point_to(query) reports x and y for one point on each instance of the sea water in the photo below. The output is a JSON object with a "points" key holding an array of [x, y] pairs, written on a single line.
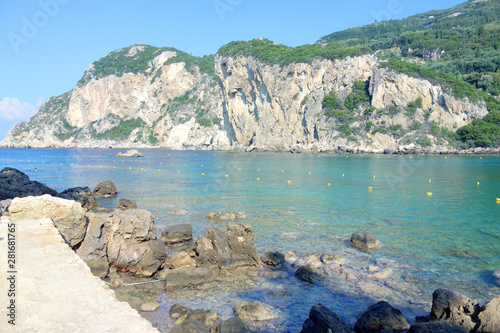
{"points": [[436, 216]]}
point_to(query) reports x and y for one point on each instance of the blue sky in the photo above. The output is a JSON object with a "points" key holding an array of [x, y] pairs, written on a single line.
{"points": [[45, 45]]}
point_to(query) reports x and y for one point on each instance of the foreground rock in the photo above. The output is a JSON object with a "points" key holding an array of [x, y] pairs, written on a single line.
{"points": [[4, 207], [439, 326], [126, 204], [130, 153], [16, 184], [253, 311], [208, 318], [233, 249], [232, 325], [381, 316], [83, 195], [323, 320], [455, 308], [186, 277], [105, 189], [226, 216], [489, 316], [67, 215], [125, 239], [364, 241]]}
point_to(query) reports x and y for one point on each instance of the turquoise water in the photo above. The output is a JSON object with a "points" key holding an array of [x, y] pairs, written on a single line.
{"points": [[450, 239]]}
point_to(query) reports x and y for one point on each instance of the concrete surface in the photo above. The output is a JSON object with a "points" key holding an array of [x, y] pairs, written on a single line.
{"points": [[55, 290]]}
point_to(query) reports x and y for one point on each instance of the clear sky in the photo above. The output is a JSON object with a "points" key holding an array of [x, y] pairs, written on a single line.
{"points": [[45, 45]]}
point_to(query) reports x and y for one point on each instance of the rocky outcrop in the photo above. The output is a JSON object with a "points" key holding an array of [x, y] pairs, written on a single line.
{"points": [[83, 195], [323, 320], [105, 189], [130, 153], [253, 311], [381, 316], [125, 239], [67, 215], [16, 184]]}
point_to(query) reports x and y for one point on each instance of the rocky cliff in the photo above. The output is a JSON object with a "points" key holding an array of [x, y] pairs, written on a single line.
{"points": [[143, 96]]}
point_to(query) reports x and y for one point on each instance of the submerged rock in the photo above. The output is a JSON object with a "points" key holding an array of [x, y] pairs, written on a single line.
{"points": [[364, 241], [232, 325], [323, 320], [105, 189], [253, 311], [150, 306], [381, 316], [16, 184], [226, 216], [306, 273], [68, 215], [130, 153], [177, 311]]}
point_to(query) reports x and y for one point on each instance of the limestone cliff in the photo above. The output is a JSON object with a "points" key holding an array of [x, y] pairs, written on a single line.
{"points": [[165, 98]]}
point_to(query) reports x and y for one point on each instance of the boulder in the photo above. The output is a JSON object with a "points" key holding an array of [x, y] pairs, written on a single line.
{"points": [[454, 308], [186, 277], [178, 260], [227, 250], [208, 318], [125, 239], [306, 273], [67, 215], [489, 316], [4, 207], [364, 241], [232, 325], [439, 326], [130, 153], [150, 306], [323, 320], [226, 216], [177, 234], [105, 189], [332, 259], [273, 259], [16, 184], [83, 195], [190, 326], [381, 316], [126, 204], [253, 311], [178, 311]]}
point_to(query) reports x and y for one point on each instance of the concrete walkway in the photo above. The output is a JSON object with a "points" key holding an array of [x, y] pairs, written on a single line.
{"points": [[55, 290]]}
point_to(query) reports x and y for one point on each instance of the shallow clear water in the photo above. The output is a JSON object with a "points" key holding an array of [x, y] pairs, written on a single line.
{"points": [[450, 239]]}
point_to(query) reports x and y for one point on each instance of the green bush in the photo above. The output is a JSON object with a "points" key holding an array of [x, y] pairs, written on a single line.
{"points": [[122, 131], [359, 94], [482, 132]]}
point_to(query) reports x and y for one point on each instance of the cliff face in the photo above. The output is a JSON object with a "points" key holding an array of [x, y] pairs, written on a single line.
{"points": [[245, 105]]}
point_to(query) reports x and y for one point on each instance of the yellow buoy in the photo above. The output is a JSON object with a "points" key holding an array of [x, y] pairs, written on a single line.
{"points": [[142, 168], [342, 175], [370, 189], [430, 181], [178, 171], [477, 183], [227, 176], [289, 182], [329, 184], [100, 166], [373, 176], [258, 170], [282, 171], [258, 178], [159, 169], [410, 157], [480, 158], [114, 167], [498, 200], [309, 172], [429, 193], [446, 157]]}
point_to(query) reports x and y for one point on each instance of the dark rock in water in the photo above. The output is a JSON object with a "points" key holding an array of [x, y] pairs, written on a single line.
{"points": [[253, 311], [323, 320], [307, 274], [379, 317], [176, 311], [125, 239], [364, 241], [439, 326], [273, 259], [105, 189], [227, 250], [4, 207], [186, 277], [190, 326], [489, 316], [176, 234], [16, 184], [226, 216], [83, 195], [232, 325], [454, 308], [126, 204]]}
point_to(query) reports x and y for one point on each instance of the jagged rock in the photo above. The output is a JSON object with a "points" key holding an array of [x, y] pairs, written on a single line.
{"points": [[16, 184], [364, 241], [83, 195], [67, 215], [323, 320], [454, 308], [130, 153], [489, 316], [381, 316], [227, 250], [190, 326], [125, 239], [332, 259], [439, 326], [273, 259], [178, 260], [226, 216], [186, 277], [306, 273], [177, 311], [105, 189], [232, 325], [4, 207], [150, 306], [253, 311], [126, 204], [176, 234]]}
